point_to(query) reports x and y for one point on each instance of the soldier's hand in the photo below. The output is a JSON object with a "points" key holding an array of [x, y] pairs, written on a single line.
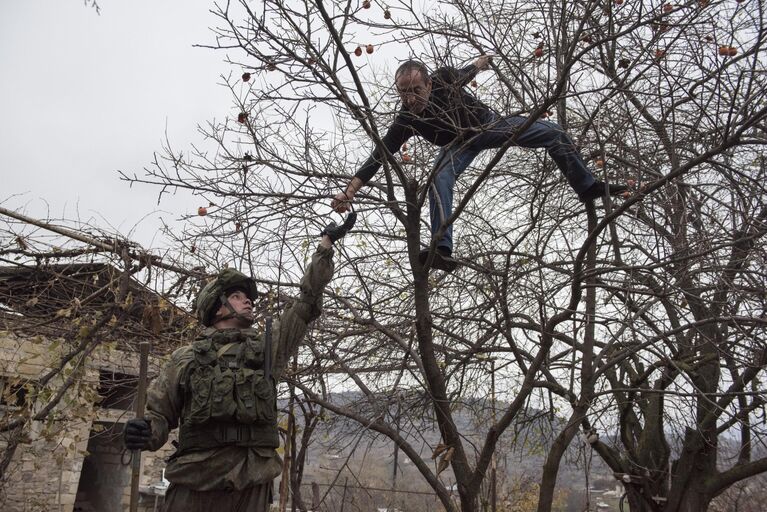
{"points": [[341, 203], [335, 232], [137, 434]]}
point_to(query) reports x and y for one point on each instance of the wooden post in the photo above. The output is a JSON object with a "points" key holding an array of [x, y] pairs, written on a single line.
{"points": [[140, 404], [287, 455], [315, 497]]}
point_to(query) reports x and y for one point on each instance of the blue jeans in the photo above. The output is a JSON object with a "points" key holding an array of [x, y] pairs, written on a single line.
{"points": [[453, 160]]}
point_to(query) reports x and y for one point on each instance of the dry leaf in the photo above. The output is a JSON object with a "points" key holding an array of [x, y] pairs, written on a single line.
{"points": [[442, 466], [439, 449], [152, 318]]}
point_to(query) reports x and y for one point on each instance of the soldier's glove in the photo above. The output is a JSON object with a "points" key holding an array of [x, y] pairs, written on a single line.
{"points": [[137, 434], [336, 232]]}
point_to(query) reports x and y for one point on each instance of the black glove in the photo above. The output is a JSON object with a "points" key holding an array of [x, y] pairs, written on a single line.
{"points": [[137, 433], [336, 232]]}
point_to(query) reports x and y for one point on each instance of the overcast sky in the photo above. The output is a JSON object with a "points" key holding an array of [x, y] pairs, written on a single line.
{"points": [[85, 94]]}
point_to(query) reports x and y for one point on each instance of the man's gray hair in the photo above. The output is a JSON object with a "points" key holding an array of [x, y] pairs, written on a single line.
{"points": [[412, 65]]}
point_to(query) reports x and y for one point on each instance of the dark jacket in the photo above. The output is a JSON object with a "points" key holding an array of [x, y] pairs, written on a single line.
{"points": [[452, 115]]}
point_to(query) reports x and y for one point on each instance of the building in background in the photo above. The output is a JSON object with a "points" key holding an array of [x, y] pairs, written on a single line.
{"points": [[71, 458]]}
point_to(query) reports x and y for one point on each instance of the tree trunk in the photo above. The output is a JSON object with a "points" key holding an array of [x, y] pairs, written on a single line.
{"points": [[580, 409], [434, 377], [551, 466]]}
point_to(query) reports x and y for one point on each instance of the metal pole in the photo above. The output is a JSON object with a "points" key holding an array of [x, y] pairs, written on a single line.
{"points": [[140, 404]]}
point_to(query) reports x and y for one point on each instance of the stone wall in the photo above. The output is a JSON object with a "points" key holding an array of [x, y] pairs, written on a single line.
{"points": [[79, 445]]}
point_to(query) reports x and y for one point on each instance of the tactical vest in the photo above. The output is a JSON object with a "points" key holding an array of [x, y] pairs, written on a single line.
{"points": [[230, 396]]}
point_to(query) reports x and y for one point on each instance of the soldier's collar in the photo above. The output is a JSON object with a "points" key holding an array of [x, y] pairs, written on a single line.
{"points": [[225, 336]]}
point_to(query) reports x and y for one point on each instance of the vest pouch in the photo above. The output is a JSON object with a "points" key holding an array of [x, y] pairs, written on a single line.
{"points": [[252, 354], [222, 405], [200, 384], [247, 412], [266, 404]]}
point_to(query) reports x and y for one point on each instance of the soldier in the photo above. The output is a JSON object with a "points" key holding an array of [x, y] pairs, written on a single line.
{"points": [[221, 393]]}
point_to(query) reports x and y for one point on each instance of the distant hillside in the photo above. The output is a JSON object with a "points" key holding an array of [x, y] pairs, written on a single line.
{"points": [[341, 446]]}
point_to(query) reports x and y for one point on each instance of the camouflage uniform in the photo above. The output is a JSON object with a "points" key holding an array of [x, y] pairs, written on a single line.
{"points": [[221, 390]]}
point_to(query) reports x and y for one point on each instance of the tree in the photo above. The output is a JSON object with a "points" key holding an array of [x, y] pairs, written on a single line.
{"points": [[613, 318]]}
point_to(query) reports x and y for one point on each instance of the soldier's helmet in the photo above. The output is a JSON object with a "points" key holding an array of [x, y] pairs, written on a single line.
{"points": [[209, 299]]}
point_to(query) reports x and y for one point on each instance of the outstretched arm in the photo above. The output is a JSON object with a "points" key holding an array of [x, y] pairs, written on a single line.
{"points": [[397, 135], [292, 324], [464, 75]]}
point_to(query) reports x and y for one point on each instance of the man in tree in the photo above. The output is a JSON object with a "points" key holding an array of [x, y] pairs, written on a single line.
{"points": [[222, 391], [438, 108]]}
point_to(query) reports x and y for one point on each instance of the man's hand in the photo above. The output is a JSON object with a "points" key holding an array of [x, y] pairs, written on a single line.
{"points": [[342, 202], [335, 232], [483, 62], [137, 433]]}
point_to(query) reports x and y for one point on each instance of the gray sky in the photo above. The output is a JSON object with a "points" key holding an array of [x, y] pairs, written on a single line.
{"points": [[83, 95]]}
